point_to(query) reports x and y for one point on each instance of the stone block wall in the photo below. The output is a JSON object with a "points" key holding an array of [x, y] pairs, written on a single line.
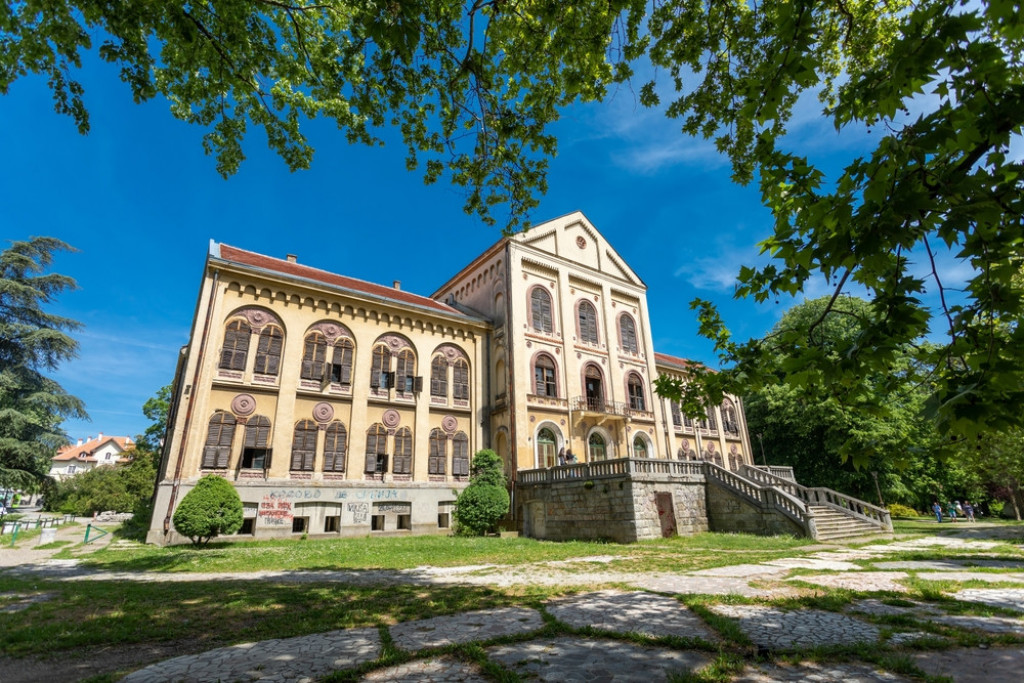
{"points": [[732, 513]]}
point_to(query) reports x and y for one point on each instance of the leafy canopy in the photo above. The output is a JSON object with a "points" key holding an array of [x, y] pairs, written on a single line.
{"points": [[32, 342]]}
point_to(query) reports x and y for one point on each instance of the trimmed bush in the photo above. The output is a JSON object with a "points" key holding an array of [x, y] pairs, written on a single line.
{"points": [[210, 509], [487, 468], [897, 510], [480, 508]]}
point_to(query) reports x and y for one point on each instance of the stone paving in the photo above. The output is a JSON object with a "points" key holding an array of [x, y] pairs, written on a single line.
{"points": [[860, 581], [440, 670], [643, 613], [817, 673], [775, 629], [465, 627], [974, 665], [1008, 598]]}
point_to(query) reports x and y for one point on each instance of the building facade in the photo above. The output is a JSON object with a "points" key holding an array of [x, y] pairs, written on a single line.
{"points": [[342, 407], [87, 454]]}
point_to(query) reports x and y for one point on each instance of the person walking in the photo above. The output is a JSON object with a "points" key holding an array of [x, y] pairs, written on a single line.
{"points": [[951, 511], [969, 510], [937, 509]]}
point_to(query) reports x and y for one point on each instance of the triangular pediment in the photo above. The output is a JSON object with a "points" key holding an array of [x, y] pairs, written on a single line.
{"points": [[574, 238]]}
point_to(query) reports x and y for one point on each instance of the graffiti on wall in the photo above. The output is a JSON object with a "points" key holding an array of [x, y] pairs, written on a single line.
{"points": [[275, 511], [359, 512]]}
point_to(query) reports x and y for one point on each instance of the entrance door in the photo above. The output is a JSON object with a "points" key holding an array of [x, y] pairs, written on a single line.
{"points": [[545, 448], [595, 393], [666, 514]]}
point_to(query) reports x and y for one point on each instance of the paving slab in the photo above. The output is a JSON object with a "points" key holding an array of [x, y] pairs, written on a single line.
{"points": [[950, 565], [986, 624], [741, 570], [971, 576], [817, 564], [878, 608], [638, 612], [777, 629], [708, 585], [300, 660], [860, 581], [1010, 598], [465, 627], [598, 661], [817, 673], [974, 665], [439, 670]]}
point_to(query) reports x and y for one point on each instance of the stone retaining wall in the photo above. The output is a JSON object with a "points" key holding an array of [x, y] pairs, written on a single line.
{"points": [[730, 512]]}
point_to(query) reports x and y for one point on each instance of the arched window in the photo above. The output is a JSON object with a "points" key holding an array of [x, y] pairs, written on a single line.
{"points": [[439, 377], [635, 390], [256, 451], [598, 448], [627, 334], [712, 421], [402, 463], [639, 447], [546, 447], [376, 450], [304, 446], [268, 351], [236, 345], [405, 371], [314, 357], [460, 455], [593, 388], [729, 422], [380, 374], [588, 322], [735, 459], [438, 452], [335, 442], [544, 376], [341, 362], [219, 438], [460, 380], [677, 416], [540, 309]]}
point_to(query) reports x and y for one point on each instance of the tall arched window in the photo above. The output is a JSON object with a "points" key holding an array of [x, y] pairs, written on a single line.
{"points": [[405, 371], [219, 438], [380, 374], [402, 463], [593, 387], [376, 450], [588, 322], [639, 447], [304, 446], [544, 376], [546, 447], [236, 345], [598, 448], [438, 452], [627, 334], [460, 455], [729, 422], [335, 442], [439, 377], [460, 380], [712, 420], [540, 310], [677, 416], [341, 362], [635, 390], [256, 451], [314, 356], [268, 351]]}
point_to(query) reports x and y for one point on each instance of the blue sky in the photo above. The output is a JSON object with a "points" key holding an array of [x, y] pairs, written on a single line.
{"points": [[140, 202]]}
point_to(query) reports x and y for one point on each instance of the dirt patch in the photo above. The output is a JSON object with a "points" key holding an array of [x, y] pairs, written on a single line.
{"points": [[82, 663]]}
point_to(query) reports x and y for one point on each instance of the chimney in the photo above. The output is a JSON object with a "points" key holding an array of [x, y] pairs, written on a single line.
{"points": [[100, 437], [397, 284], [291, 258], [79, 442]]}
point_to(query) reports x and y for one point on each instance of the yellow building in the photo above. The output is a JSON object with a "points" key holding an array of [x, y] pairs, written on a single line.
{"points": [[338, 406]]}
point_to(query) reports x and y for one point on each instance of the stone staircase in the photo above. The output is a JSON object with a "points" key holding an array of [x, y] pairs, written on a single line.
{"points": [[833, 525]]}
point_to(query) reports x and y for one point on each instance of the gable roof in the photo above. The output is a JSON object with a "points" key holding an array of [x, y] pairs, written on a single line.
{"points": [[674, 362], [296, 271], [84, 451]]}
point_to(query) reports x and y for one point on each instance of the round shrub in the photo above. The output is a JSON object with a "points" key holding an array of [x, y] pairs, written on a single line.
{"points": [[211, 508], [480, 508], [897, 510], [487, 468]]}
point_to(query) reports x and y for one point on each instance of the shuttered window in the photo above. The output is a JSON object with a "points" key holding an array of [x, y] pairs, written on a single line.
{"points": [[219, 438], [304, 446], [712, 420], [544, 376], [588, 322], [460, 455], [540, 306], [341, 362], [334, 447], [255, 453], [439, 377], [677, 416], [268, 351], [460, 380], [381, 365], [314, 356], [635, 389], [402, 461], [438, 452], [236, 345], [405, 371], [376, 450], [627, 331]]}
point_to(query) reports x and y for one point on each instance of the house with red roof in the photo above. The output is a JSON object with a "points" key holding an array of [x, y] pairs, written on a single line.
{"points": [[87, 454]]}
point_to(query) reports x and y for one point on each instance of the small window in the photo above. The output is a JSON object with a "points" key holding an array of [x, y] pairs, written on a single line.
{"points": [[588, 322], [248, 527], [377, 522], [268, 351], [540, 307], [444, 520], [544, 376], [405, 522], [332, 524], [300, 525], [256, 458], [627, 332], [236, 345]]}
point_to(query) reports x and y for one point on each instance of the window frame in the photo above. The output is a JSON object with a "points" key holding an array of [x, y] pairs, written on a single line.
{"points": [[304, 457], [635, 392], [314, 356], [628, 339], [541, 318], [548, 379], [335, 447], [401, 460], [217, 456], [234, 352], [437, 460], [586, 321]]}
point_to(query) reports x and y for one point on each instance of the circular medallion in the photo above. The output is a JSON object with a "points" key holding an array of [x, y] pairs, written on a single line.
{"points": [[580, 242], [391, 418], [449, 423], [243, 405], [258, 317], [323, 412]]}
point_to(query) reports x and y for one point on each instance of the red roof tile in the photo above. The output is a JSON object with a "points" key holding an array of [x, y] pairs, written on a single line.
{"points": [[248, 258], [85, 450], [674, 361]]}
